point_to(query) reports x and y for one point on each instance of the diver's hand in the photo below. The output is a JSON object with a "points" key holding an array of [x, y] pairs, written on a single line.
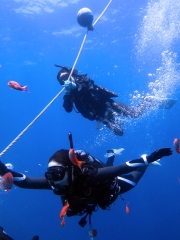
{"points": [[68, 86], [3, 169], [162, 152]]}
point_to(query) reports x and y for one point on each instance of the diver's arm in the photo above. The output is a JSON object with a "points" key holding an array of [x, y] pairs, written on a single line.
{"points": [[67, 104], [114, 171], [22, 181], [32, 183]]}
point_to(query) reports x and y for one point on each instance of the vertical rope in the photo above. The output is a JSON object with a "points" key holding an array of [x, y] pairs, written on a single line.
{"points": [[102, 13]]}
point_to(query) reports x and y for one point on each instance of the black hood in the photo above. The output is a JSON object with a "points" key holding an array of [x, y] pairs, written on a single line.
{"points": [[64, 69]]}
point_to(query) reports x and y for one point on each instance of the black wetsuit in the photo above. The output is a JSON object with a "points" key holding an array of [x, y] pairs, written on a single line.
{"points": [[95, 183], [96, 103], [89, 99]]}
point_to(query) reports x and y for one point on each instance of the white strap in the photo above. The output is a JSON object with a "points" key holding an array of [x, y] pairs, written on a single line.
{"points": [[127, 181], [18, 179], [134, 164], [144, 157]]}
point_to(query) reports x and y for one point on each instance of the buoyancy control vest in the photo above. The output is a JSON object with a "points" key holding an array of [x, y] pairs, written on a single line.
{"points": [[85, 190]]}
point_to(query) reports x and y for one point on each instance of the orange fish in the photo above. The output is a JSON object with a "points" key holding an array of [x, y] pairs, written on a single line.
{"points": [[74, 159], [63, 213], [176, 145], [17, 86], [6, 182], [127, 209], [63, 222]]}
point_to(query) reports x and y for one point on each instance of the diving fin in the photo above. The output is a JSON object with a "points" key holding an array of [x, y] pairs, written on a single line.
{"points": [[155, 163], [167, 103], [118, 151], [164, 103], [113, 152]]}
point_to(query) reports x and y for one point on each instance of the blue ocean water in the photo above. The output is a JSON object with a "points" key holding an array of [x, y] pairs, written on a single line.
{"points": [[133, 51]]}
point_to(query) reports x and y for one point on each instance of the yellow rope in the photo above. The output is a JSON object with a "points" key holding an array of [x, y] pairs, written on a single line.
{"points": [[59, 93]]}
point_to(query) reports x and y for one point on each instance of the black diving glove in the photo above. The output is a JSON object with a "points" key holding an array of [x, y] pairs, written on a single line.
{"points": [[162, 152], [3, 169]]}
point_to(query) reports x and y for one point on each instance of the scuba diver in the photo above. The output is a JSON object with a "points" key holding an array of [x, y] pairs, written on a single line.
{"points": [[96, 103], [5, 236], [85, 183]]}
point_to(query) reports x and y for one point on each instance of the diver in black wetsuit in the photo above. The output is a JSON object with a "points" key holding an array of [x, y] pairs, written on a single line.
{"points": [[96, 103], [89, 185]]}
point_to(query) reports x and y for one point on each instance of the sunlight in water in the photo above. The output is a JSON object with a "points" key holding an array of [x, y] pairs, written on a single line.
{"points": [[164, 82], [159, 31], [166, 79], [160, 26]]}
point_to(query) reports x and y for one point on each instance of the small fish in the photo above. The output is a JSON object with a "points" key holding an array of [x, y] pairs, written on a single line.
{"points": [[74, 159], [63, 213], [6, 182], [63, 222], [176, 145], [17, 86], [127, 209]]}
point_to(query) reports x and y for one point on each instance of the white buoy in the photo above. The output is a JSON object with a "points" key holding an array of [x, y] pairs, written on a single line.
{"points": [[85, 18]]}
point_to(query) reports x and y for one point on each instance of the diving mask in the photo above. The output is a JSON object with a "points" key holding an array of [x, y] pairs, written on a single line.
{"points": [[55, 173]]}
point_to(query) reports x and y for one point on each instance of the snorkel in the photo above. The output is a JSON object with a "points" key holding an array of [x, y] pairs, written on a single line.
{"points": [[75, 162], [72, 155]]}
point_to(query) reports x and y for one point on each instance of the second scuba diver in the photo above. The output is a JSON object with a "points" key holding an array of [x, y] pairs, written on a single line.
{"points": [[96, 103]]}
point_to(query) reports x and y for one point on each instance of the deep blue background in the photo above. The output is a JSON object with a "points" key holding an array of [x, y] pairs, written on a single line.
{"points": [[134, 43]]}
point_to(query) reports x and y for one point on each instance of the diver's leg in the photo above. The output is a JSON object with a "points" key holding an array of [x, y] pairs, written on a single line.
{"points": [[147, 103], [111, 156], [114, 126], [133, 165], [129, 181], [124, 168], [110, 121], [128, 111]]}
